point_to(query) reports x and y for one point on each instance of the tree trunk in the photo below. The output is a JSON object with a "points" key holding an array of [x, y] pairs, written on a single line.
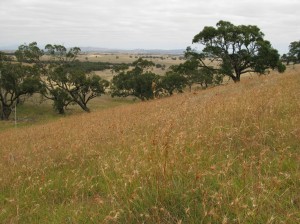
{"points": [[61, 110], [5, 112], [84, 107], [236, 78]]}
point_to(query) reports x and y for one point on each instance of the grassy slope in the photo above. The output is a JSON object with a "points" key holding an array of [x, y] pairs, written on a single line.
{"points": [[225, 155], [33, 111]]}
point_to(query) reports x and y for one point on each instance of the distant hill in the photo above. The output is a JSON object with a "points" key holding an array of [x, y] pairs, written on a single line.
{"points": [[134, 51], [12, 48], [9, 48]]}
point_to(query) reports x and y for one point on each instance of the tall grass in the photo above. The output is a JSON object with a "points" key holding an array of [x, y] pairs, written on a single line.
{"points": [[229, 154], [35, 111]]}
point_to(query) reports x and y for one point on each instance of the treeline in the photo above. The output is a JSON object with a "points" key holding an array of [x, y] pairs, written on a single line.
{"points": [[228, 50], [293, 56], [88, 66], [62, 79], [65, 80]]}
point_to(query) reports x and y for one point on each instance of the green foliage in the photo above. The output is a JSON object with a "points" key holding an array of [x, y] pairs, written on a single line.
{"points": [[205, 77], [82, 87], [88, 66], [294, 53], [158, 66], [30, 53], [142, 64], [16, 80], [65, 82], [194, 73], [4, 57], [137, 82], [120, 67], [236, 50], [60, 98], [63, 79], [187, 70], [173, 81], [61, 54]]}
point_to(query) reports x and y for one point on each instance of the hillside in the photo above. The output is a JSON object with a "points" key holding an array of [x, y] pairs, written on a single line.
{"points": [[229, 154]]}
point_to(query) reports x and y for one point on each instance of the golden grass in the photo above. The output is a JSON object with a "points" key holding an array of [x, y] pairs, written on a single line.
{"points": [[229, 154], [36, 111], [128, 58]]}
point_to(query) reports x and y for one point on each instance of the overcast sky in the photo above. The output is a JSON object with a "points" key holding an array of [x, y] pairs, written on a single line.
{"points": [[147, 24]]}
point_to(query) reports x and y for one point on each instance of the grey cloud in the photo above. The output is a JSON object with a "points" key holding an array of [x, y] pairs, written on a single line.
{"points": [[140, 23]]}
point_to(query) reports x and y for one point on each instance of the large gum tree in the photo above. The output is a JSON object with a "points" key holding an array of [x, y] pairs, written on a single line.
{"points": [[235, 50]]}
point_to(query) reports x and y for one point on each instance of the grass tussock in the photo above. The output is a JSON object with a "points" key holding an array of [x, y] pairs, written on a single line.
{"points": [[229, 154]]}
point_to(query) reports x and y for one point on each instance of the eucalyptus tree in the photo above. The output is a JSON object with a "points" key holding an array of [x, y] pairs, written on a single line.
{"points": [[66, 83], [235, 50], [173, 82], [294, 52], [62, 79], [17, 79], [194, 73], [140, 81]]}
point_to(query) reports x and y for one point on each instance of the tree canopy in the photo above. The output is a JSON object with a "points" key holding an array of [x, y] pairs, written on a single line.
{"points": [[16, 80], [235, 50], [138, 81], [173, 81], [63, 81], [294, 53], [194, 73], [55, 71]]}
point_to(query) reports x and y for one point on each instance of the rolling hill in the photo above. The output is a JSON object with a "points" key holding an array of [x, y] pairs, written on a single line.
{"points": [[228, 154]]}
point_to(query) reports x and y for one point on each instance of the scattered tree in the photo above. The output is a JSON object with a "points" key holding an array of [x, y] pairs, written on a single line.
{"points": [[229, 50], [235, 50], [65, 83], [136, 82], [119, 67], [285, 58], [194, 73], [173, 81], [187, 70], [206, 77], [16, 80], [294, 53], [62, 79]]}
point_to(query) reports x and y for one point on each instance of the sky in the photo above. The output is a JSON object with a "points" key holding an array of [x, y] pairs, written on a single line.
{"points": [[140, 24]]}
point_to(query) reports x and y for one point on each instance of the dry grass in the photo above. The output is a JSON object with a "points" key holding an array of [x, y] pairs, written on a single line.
{"points": [[229, 154], [167, 61], [36, 111], [128, 58]]}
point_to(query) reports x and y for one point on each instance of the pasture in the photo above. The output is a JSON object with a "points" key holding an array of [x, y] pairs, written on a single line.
{"points": [[228, 154], [164, 60]]}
